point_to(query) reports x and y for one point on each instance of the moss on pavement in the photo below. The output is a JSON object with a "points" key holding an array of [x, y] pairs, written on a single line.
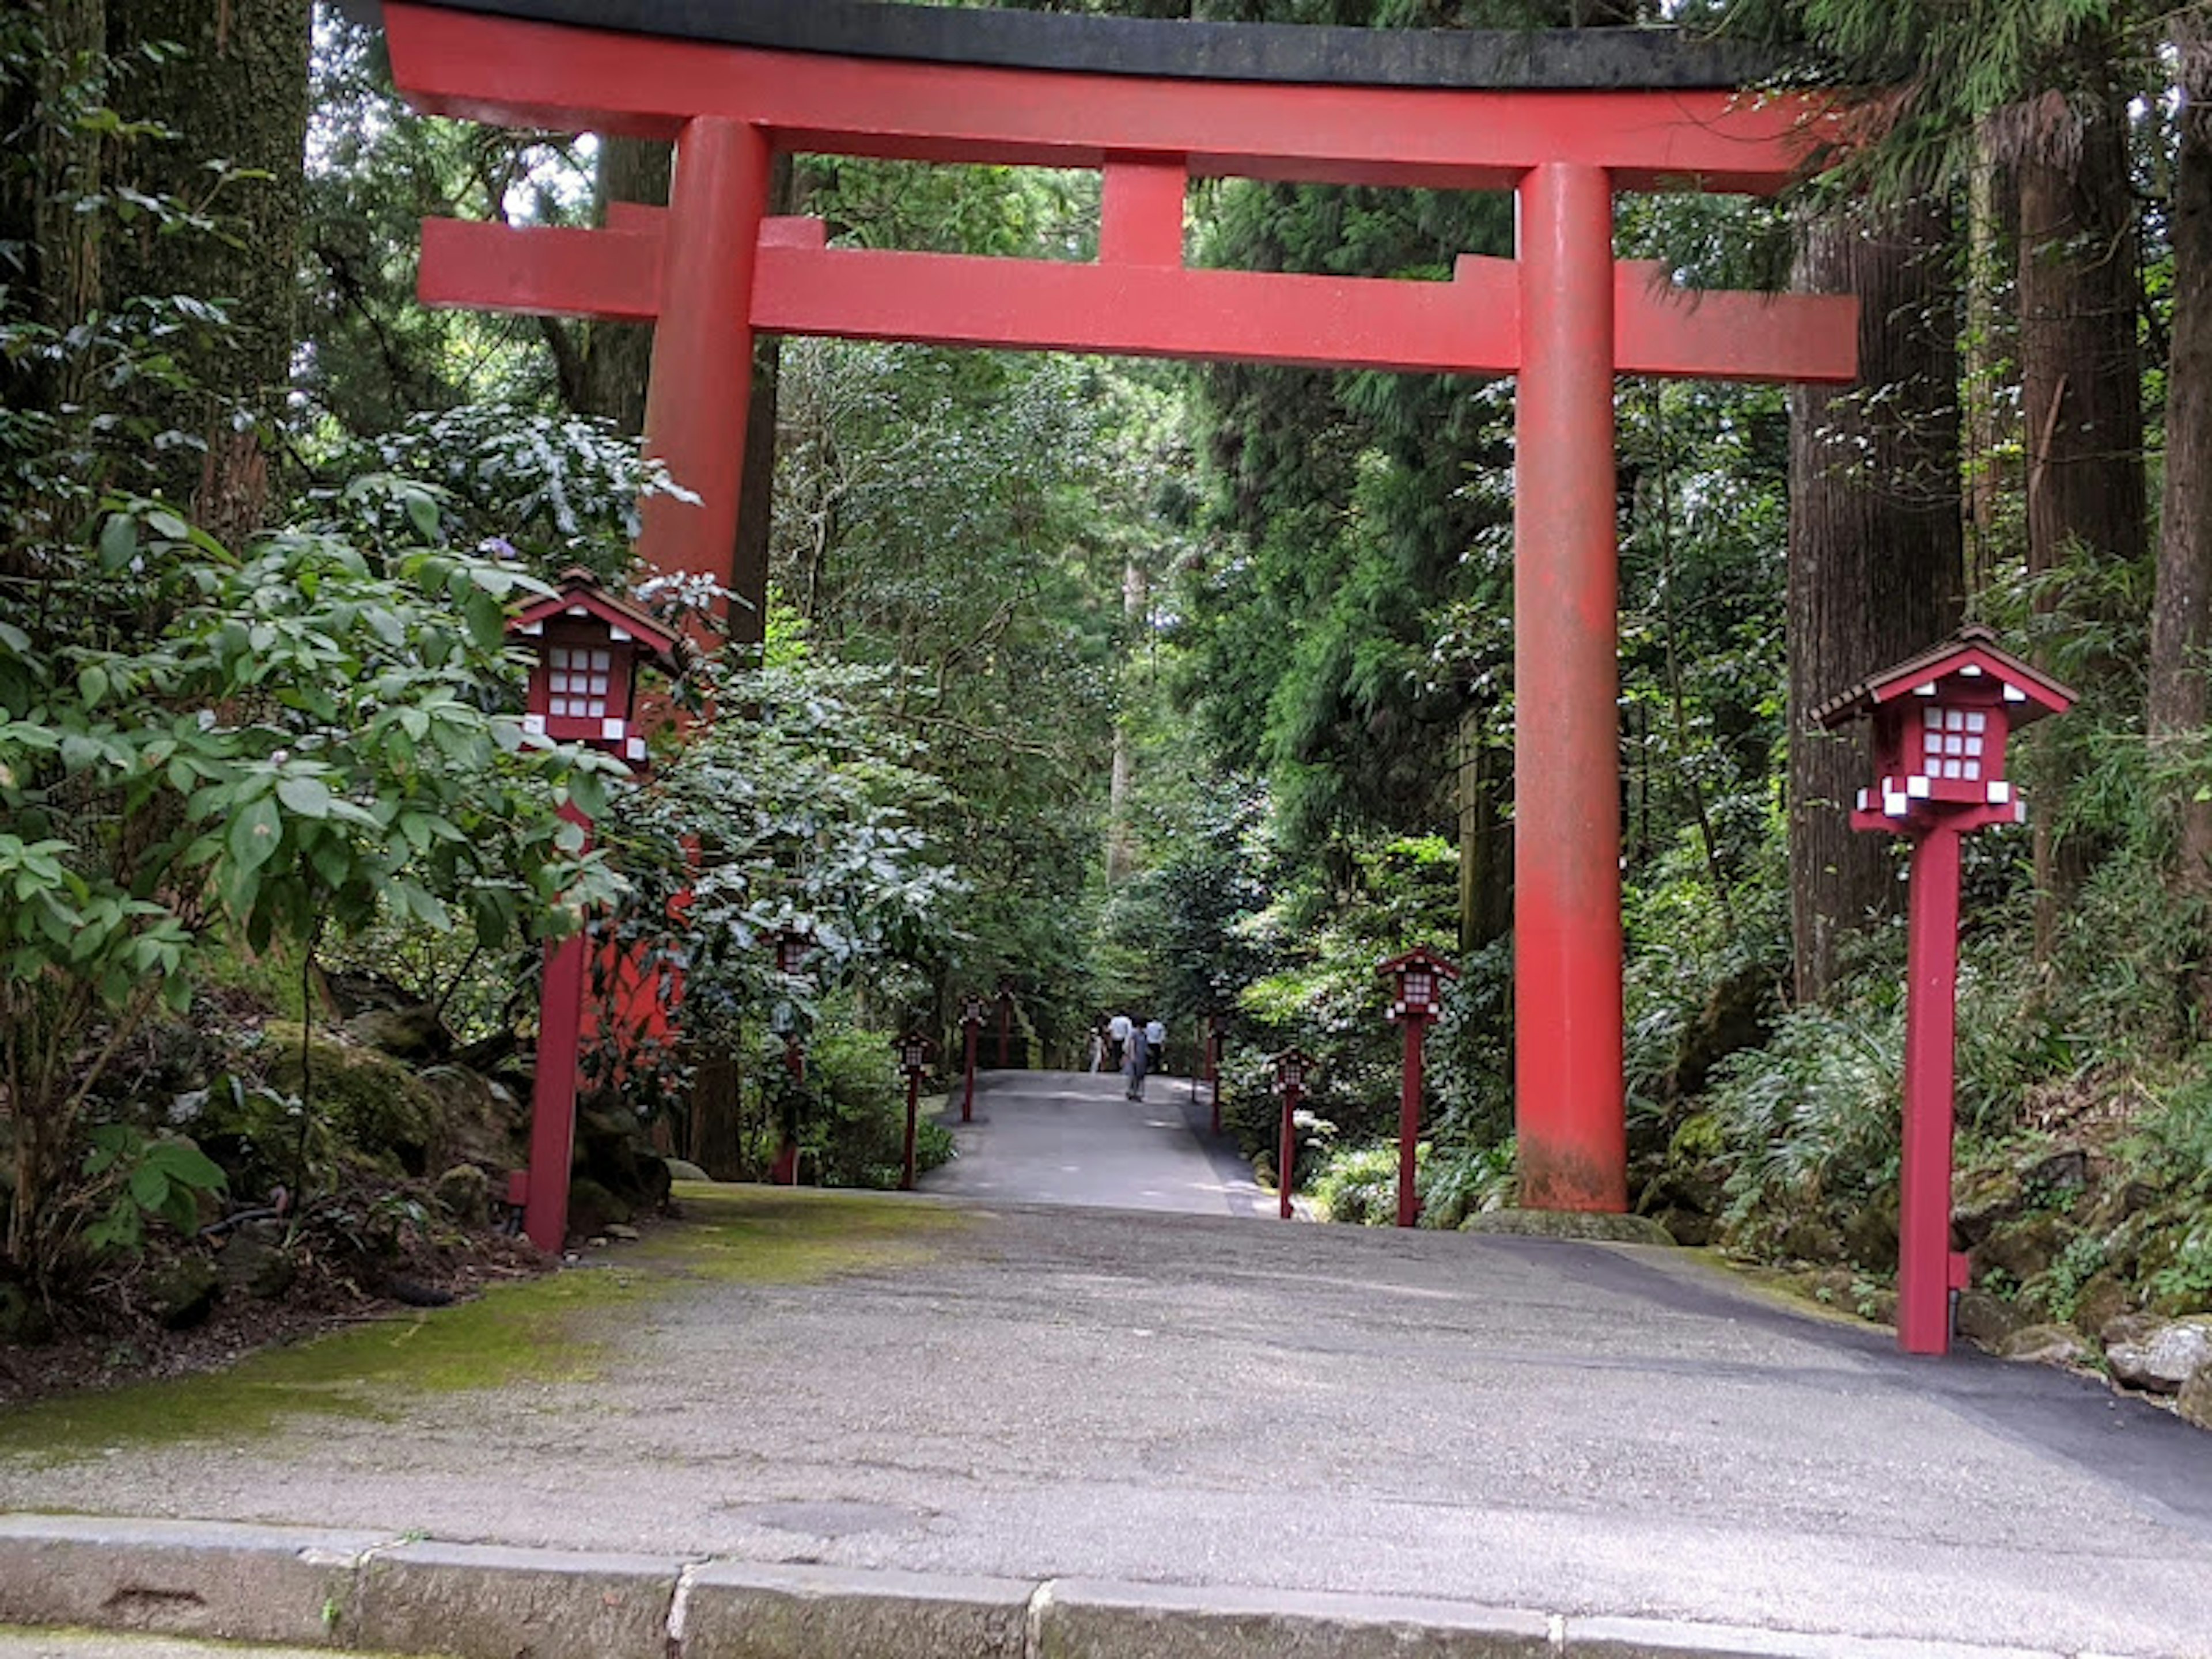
{"points": [[553, 1329]]}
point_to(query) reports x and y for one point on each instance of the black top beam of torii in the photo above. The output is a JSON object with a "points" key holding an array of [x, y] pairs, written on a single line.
{"points": [[1531, 60]]}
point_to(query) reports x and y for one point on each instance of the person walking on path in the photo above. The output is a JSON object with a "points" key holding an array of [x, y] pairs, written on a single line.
{"points": [[1119, 1029], [1155, 1046], [1134, 1067], [1097, 1045]]}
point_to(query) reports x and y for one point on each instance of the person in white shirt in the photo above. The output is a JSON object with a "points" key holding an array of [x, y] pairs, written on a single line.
{"points": [[1118, 1028], [1155, 1044]]}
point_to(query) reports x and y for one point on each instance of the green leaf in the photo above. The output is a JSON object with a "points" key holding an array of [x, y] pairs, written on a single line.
{"points": [[309, 797], [92, 683], [255, 832], [423, 513], [118, 541], [486, 619], [149, 1186], [588, 792]]}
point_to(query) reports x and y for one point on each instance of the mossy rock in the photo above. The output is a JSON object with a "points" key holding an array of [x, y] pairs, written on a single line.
{"points": [[2044, 1345], [414, 1033], [1692, 1228], [1809, 1238], [1595, 1227], [2101, 1301], [2195, 1400], [476, 1121], [370, 1099], [1990, 1321], [257, 1265], [1870, 1234], [2023, 1249], [183, 1292], [464, 1193], [682, 1170], [591, 1207]]}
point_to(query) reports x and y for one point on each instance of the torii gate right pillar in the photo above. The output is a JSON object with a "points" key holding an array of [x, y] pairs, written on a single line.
{"points": [[1568, 1104]]}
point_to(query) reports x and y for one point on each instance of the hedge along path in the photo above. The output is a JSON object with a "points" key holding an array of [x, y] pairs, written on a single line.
{"points": [[560, 1329]]}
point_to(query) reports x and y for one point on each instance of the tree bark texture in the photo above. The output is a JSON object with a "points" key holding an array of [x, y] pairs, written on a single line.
{"points": [[605, 373], [2181, 613], [1990, 348], [1875, 546], [2082, 394], [237, 94], [1486, 833]]}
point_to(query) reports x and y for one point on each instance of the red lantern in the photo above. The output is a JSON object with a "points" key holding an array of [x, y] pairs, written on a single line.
{"points": [[583, 685], [913, 1050], [1940, 724], [793, 946], [1421, 974]]}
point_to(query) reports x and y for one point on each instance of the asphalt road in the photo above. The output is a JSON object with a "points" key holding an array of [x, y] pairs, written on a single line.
{"points": [[1213, 1401], [1074, 1137]]}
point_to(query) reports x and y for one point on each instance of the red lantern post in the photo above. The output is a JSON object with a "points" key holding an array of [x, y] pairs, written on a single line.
{"points": [[914, 1060], [583, 687], [971, 1022], [1292, 1067], [1421, 974], [1940, 721]]}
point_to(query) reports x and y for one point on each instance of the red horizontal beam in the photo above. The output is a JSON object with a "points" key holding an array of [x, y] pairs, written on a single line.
{"points": [[1469, 325], [521, 74], [1724, 334], [535, 270]]}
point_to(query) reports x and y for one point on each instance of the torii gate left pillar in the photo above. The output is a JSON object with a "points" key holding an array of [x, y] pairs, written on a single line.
{"points": [[1564, 316]]}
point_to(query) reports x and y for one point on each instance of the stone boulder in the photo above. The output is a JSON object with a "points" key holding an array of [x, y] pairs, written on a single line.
{"points": [[414, 1033], [2167, 1359], [2044, 1345], [465, 1194], [2195, 1403], [1988, 1321], [369, 1099], [183, 1292], [255, 1262]]}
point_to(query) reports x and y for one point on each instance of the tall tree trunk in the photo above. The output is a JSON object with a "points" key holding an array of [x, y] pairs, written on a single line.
{"points": [[1874, 544], [1992, 422], [238, 94], [606, 373], [2082, 390], [1486, 833], [2181, 614], [1120, 841]]}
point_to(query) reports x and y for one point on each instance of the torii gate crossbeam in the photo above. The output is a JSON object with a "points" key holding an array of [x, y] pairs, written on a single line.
{"points": [[1564, 316]]}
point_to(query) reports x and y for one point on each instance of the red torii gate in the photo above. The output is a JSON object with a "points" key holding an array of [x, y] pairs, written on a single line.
{"points": [[1565, 317]]}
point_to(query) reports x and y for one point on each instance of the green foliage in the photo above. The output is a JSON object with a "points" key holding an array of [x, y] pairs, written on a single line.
{"points": [[801, 818], [132, 1180]]}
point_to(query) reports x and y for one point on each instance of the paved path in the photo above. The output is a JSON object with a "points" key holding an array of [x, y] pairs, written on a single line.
{"points": [[1176, 1400], [1074, 1137]]}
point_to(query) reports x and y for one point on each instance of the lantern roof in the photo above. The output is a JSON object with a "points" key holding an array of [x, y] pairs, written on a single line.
{"points": [[1420, 956], [577, 593], [1292, 1056], [1973, 650]]}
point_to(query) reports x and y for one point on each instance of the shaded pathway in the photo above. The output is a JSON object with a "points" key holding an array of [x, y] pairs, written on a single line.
{"points": [[1072, 1138]]}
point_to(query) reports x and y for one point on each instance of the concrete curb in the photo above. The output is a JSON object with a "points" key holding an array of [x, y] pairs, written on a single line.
{"points": [[310, 1587]]}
